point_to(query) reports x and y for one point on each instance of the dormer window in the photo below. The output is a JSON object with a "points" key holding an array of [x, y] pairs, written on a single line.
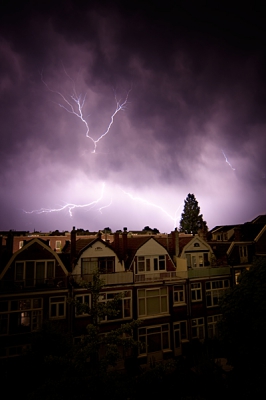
{"points": [[31, 273], [150, 264], [106, 265]]}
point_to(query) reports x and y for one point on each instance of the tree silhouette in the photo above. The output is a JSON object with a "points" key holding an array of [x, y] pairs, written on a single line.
{"points": [[191, 219]]}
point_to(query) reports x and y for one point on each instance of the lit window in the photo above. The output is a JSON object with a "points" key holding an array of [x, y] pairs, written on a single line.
{"points": [[20, 316]]}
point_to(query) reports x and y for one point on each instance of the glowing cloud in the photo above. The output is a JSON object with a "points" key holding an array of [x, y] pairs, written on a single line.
{"points": [[75, 106]]}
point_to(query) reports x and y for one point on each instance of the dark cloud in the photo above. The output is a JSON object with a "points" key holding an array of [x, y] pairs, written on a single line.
{"points": [[194, 121]]}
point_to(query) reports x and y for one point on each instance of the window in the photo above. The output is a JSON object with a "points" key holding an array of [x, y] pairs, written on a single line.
{"points": [[212, 326], [124, 305], [57, 307], [198, 260], [179, 294], [152, 301], [106, 265], [214, 291], [31, 273], [85, 304], [20, 316], [150, 264], [180, 333], [58, 245], [153, 339], [20, 244], [196, 293], [243, 252], [197, 328]]}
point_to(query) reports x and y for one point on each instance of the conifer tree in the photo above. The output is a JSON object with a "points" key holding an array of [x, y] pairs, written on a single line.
{"points": [[191, 219]]}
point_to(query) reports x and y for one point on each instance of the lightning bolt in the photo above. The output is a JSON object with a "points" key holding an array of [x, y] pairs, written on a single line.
{"points": [[144, 201], [226, 160], [76, 103], [70, 206]]}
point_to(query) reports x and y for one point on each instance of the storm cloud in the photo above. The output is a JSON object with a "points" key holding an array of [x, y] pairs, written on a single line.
{"points": [[194, 121]]}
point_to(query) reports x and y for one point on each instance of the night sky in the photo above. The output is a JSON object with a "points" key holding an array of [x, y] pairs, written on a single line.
{"points": [[194, 120]]}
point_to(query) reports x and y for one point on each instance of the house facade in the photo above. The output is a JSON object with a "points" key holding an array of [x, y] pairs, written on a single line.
{"points": [[171, 283]]}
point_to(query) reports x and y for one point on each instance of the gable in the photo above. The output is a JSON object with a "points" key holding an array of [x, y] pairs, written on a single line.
{"points": [[196, 245], [35, 263], [151, 247]]}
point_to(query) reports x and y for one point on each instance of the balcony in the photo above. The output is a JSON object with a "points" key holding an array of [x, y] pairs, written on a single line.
{"points": [[208, 272], [115, 278], [160, 276]]}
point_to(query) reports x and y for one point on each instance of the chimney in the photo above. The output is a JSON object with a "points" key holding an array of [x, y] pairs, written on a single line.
{"points": [[124, 236], [99, 235], [73, 245], [175, 242], [237, 232], [116, 241]]}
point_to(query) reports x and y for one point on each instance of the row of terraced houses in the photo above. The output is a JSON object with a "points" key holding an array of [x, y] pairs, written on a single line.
{"points": [[171, 282]]}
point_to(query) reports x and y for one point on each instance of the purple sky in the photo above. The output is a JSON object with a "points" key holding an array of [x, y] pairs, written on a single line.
{"points": [[194, 122]]}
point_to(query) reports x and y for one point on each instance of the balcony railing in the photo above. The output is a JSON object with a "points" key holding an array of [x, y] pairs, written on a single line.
{"points": [[110, 279], [160, 276], [208, 272], [33, 284]]}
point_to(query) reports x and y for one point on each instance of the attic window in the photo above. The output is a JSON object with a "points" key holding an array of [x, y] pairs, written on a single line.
{"points": [[196, 245]]}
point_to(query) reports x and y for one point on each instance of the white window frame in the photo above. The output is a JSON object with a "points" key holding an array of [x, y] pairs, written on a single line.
{"points": [[198, 259], [57, 300], [215, 290], [198, 328], [126, 304], [150, 264], [146, 332], [179, 294], [94, 263], [212, 321], [145, 298], [196, 291]]}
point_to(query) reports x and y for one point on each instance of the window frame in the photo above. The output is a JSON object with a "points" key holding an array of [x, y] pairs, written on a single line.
{"points": [[126, 297], [150, 263], [19, 313], [214, 294], [94, 265], [85, 299], [181, 328], [145, 299], [57, 308], [34, 273], [198, 324], [181, 294], [145, 332], [196, 291], [212, 326]]}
